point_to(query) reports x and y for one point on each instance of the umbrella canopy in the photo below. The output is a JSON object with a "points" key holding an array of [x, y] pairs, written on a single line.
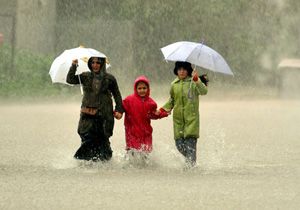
{"points": [[61, 65], [197, 54]]}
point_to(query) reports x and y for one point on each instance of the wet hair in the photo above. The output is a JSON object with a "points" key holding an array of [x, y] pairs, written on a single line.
{"points": [[183, 64]]}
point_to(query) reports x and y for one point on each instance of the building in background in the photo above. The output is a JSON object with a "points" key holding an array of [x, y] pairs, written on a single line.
{"points": [[289, 85]]}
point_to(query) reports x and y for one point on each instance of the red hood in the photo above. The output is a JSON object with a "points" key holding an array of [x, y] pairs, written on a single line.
{"points": [[142, 79]]}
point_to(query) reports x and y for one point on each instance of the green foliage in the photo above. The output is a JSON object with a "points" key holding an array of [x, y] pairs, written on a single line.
{"points": [[132, 32], [242, 31], [27, 75]]}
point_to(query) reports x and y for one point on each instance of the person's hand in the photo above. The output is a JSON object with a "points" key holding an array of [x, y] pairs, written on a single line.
{"points": [[195, 75], [163, 113], [156, 112], [118, 115], [204, 79], [75, 62]]}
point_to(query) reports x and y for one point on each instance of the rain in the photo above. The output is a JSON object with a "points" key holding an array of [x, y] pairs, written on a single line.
{"points": [[248, 153]]}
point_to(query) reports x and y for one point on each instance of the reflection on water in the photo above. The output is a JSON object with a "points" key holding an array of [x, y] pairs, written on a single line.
{"points": [[248, 158]]}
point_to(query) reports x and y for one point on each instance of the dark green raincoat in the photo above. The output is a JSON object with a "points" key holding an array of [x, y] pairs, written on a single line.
{"points": [[96, 127], [97, 93]]}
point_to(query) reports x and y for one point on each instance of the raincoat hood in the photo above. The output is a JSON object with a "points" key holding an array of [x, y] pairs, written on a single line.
{"points": [[103, 64], [139, 111], [142, 79]]}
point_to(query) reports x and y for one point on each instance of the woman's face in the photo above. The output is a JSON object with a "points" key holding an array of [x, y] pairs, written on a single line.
{"points": [[142, 89], [182, 73], [96, 65]]}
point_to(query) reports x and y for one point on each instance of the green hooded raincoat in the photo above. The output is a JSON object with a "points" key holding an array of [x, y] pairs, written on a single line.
{"points": [[184, 100]]}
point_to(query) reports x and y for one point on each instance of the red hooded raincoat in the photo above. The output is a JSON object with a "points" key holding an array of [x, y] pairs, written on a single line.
{"points": [[138, 114]]}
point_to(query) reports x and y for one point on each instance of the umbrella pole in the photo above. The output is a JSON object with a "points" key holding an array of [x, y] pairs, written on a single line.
{"points": [[190, 94], [81, 90]]}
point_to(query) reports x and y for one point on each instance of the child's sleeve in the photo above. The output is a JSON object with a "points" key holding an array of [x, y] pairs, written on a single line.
{"points": [[152, 111], [125, 104], [170, 103], [201, 88], [162, 113]]}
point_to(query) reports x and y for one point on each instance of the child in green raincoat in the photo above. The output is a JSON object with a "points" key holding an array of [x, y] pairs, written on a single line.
{"points": [[184, 101]]}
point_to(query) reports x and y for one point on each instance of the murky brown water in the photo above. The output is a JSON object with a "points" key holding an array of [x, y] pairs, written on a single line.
{"points": [[248, 158]]}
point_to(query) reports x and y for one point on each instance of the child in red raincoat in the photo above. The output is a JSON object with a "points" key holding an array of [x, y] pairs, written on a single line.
{"points": [[140, 108]]}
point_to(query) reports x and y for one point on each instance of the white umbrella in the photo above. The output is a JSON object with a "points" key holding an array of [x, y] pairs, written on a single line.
{"points": [[61, 65], [197, 54]]}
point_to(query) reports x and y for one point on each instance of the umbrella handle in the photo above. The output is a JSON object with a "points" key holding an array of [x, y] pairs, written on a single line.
{"points": [[81, 89]]}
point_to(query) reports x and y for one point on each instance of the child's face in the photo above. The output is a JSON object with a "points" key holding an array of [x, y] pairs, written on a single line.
{"points": [[142, 89], [182, 73]]}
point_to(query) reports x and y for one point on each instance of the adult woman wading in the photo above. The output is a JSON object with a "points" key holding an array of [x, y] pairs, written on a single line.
{"points": [[97, 115]]}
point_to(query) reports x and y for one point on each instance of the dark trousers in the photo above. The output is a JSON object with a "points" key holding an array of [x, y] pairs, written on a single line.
{"points": [[188, 148], [94, 144]]}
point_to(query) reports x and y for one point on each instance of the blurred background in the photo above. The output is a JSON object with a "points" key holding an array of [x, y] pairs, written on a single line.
{"points": [[252, 36], [249, 149]]}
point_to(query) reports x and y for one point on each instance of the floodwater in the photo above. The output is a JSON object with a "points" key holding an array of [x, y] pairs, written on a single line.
{"points": [[248, 158]]}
